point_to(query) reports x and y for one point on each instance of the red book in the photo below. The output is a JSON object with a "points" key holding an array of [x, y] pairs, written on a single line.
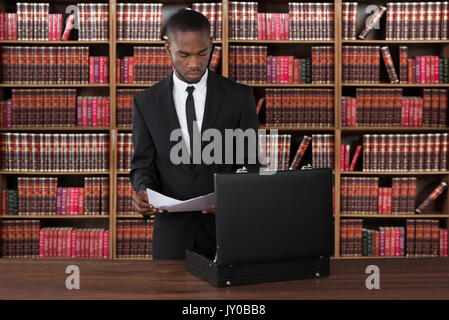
{"points": [[107, 118], [347, 156], [259, 104], [68, 28], [106, 244], [101, 70], [73, 240], [131, 70], [94, 111], [342, 157], [355, 158], [91, 69]]}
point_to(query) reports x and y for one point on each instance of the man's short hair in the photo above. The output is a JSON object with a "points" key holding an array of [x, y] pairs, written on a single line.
{"points": [[187, 20]]}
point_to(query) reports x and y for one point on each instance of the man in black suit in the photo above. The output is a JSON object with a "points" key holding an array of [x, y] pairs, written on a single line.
{"points": [[191, 95]]}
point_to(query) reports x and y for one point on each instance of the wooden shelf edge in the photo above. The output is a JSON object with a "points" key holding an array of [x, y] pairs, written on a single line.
{"points": [[55, 217], [408, 216]]}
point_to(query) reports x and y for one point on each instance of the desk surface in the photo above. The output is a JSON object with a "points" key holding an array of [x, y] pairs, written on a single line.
{"points": [[101, 279]]}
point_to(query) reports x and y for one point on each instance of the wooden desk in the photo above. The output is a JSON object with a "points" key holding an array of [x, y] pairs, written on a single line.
{"points": [[104, 279]]}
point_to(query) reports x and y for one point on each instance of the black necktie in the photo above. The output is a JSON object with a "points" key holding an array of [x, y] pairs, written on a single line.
{"points": [[190, 113]]}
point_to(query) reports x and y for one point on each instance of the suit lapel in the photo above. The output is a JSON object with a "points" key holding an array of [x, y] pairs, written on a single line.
{"points": [[214, 99], [168, 110]]}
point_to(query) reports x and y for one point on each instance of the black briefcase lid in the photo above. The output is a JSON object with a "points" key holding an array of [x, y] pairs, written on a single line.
{"points": [[261, 218]]}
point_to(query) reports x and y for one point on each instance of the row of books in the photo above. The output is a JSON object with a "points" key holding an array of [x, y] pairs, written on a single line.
{"points": [[299, 107], [124, 104], [283, 69], [93, 111], [365, 196], [53, 108], [22, 151], [424, 70], [33, 22], [151, 64], [19, 238], [52, 65], [275, 151], [39, 107], [405, 152], [305, 21], [148, 64], [420, 238], [134, 238], [417, 21], [273, 26], [213, 13], [25, 239], [346, 164], [361, 64], [76, 243], [42, 196], [374, 107], [9, 204], [311, 21], [125, 192], [125, 150], [253, 64], [139, 21], [349, 20]]}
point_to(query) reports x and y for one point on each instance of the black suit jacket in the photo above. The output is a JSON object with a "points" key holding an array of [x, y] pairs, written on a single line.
{"points": [[229, 105]]}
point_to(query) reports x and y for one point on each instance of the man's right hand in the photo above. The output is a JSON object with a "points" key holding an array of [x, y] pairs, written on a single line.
{"points": [[143, 206]]}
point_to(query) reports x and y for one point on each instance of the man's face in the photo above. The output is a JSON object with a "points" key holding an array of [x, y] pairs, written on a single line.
{"points": [[189, 52]]}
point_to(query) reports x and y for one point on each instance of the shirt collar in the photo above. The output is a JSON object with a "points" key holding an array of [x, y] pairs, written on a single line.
{"points": [[183, 85]]}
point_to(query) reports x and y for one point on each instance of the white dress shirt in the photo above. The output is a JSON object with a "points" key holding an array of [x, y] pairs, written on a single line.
{"points": [[180, 96]]}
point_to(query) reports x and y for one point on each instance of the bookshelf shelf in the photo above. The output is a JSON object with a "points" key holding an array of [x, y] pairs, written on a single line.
{"points": [[300, 129], [53, 85], [395, 172], [397, 216], [54, 217], [68, 42], [400, 85], [40, 129], [55, 172], [398, 128], [298, 48], [283, 41], [399, 42], [127, 216], [288, 85], [137, 42], [134, 85]]}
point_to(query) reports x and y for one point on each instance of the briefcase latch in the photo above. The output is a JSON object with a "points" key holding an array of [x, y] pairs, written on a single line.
{"points": [[242, 170]]}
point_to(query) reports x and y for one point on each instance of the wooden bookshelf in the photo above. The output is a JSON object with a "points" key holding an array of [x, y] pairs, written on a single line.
{"points": [[114, 48]]}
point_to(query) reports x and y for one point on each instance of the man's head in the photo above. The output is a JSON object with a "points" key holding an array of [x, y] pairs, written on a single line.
{"points": [[189, 44]]}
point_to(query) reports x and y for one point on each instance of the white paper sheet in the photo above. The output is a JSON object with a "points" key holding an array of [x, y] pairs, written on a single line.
{"points": [[161, 201]]}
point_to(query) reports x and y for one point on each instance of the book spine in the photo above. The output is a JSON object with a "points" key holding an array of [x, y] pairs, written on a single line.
{"points": [[389, 64], [432, 197]]}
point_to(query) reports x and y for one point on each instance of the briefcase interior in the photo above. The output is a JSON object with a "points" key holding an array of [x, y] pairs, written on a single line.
{"points": [[200, 262]]}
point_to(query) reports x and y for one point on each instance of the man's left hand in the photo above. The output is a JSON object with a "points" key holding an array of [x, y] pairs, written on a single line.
{"points": [[209, 211]]}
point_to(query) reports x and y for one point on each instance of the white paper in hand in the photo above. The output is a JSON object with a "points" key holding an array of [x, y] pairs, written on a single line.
{"points": [[161, 201]]}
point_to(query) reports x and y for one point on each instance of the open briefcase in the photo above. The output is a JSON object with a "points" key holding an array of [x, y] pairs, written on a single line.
{"points": [[268, 228]]}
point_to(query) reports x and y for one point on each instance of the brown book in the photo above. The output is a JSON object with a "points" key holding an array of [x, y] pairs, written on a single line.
{"points": [[431, 197], [389, 64]]}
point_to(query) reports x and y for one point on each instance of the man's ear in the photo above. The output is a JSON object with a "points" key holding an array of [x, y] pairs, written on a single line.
{"points": [[167, 47]]}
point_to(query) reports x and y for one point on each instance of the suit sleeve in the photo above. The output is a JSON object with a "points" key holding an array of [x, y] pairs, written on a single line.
{"points": [[250, 120], [144, 173]]}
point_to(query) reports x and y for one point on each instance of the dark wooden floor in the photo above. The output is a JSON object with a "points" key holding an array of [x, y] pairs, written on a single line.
{"points": [[99, 279]]}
